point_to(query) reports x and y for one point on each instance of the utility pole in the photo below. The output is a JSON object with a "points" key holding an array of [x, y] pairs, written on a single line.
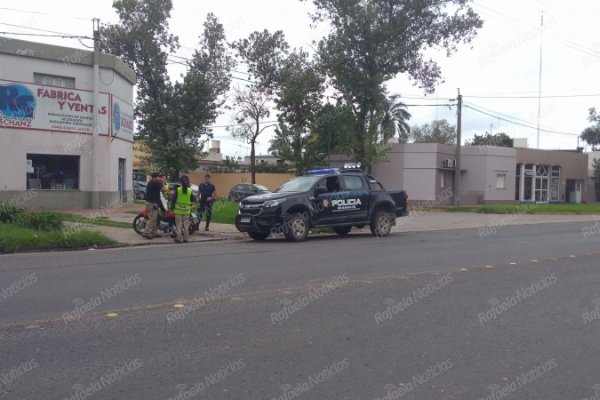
{"points": [[95, 197], [458, 144], [539, 110], [329, 146]]}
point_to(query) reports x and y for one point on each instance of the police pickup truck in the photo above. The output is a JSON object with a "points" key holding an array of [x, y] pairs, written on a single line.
{"points": [[327, 197]]}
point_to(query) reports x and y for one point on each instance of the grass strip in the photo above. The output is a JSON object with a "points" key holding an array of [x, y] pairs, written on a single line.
{"points": [[14, 238]]}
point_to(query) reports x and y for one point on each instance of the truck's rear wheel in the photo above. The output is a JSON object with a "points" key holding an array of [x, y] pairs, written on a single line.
{"points": [[297, 228], [382, 222], [258, 235], [342, 230]]}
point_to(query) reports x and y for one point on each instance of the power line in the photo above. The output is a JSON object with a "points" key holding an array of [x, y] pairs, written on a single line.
{"points": [[535, 97], [44, 13], [519, 123], [190, 59], [46, 35], [565, 42], [499, 113], [43, 30], [233, 125], [430, 105]]}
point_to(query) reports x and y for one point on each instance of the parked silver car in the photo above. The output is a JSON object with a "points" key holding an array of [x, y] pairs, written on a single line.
{"points": [[242, 190]]}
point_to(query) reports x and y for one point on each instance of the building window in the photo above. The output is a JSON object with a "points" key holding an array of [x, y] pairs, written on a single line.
{"points": [[47, 171], [445, 179], [53, 80], [500, 181]]}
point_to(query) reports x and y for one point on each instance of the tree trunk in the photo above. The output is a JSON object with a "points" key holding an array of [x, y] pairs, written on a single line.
{"points": [[253, 162]]}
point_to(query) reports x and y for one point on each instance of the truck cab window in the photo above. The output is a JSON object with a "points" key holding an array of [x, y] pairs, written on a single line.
{"points": [[333, 184]]}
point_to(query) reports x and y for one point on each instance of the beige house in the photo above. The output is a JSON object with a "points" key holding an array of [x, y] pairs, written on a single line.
{"points": [[592, 196], [545, 176], [488, 174]]}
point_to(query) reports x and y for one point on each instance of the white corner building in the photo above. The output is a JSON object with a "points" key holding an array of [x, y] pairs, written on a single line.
{"points": [[66, 127]]}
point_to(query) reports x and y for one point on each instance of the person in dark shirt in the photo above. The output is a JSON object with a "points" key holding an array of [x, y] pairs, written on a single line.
{"points": [[153, 203], [206, 195]]}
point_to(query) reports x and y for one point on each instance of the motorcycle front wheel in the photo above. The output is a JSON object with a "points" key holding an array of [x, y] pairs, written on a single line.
{"points": [[139, 224]]}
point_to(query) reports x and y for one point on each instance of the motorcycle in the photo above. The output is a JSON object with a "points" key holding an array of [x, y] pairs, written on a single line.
{"points": [[165, 222]]}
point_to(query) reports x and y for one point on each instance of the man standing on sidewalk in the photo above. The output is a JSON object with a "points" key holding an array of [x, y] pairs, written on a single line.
{"points": [[207, 195], [153, 203], [182, 204]]}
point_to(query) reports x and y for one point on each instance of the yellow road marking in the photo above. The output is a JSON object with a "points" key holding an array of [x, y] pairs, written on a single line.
{"points": [[111, 314]]}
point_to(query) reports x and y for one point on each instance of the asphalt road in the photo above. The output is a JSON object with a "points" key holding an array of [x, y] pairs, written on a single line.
{"points": [[429, 315]]}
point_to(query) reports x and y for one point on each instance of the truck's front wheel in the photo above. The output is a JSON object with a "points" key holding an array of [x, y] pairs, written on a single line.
{"points": [[382, 222], [297, 228]]}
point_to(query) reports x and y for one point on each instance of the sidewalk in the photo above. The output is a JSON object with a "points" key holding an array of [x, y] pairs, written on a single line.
{"points": [[415, 222], [130, 237]]}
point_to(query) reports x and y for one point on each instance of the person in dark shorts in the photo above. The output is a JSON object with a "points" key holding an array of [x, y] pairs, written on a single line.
{"points": [[207, 193]]}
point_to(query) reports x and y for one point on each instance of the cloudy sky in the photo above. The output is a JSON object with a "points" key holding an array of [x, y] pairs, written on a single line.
{"points": [[498, 73]]}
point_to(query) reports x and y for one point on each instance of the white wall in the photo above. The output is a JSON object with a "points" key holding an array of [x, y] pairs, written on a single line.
{"points": [[16, 143]]}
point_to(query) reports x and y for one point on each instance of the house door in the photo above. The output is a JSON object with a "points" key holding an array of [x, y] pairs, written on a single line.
{"points": [[578, 185], [573, 190]]}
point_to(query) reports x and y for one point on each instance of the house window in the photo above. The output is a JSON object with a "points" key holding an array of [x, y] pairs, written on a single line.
{"points": [[53, 80], [47, 171], [500, 181], [444, 179]]}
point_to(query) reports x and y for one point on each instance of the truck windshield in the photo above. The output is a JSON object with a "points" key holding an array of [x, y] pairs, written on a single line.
{"points": [[300, 184]]}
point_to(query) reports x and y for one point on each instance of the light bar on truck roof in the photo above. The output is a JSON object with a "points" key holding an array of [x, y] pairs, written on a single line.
{"points": [[322, 171], [352, 165]]}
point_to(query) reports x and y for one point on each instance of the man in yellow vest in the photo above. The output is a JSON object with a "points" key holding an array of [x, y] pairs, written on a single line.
{"points": [[182, 204]]}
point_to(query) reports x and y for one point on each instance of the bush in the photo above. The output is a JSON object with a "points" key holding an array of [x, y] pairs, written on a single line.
{"points": [[42, 221], [9, 214]]}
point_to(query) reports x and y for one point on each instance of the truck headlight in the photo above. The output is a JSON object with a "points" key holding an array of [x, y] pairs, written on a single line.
{"points": [[273, 203]]}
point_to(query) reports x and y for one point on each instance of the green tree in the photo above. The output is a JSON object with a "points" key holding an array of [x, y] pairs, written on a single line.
{"points": [[252, 108], [264, 53], [299, 93], [591, 134], [372, 41], [498, 139], [172, 119], [394, 121], [143, 41], [334, 124], [438, 131], [231, 164]]}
